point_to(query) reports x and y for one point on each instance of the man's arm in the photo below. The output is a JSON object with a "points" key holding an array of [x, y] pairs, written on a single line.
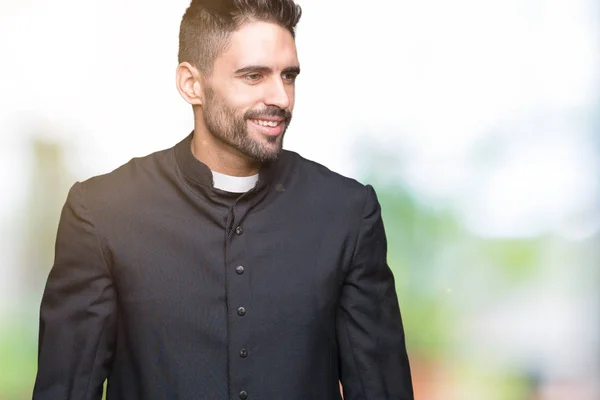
{"points": [[373, 360], [78, 311]]}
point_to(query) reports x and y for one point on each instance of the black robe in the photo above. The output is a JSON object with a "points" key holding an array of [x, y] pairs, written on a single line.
{"points": [[172, 289]]}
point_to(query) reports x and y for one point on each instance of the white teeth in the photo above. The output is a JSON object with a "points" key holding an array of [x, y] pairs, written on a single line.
{"points": [[266, 123]]}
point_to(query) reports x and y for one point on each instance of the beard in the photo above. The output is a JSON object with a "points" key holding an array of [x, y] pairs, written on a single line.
{"points": [[231, 128]]}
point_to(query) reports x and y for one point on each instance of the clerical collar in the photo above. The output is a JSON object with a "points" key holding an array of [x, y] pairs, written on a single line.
{"points": [[200, 176], [233, 184]]}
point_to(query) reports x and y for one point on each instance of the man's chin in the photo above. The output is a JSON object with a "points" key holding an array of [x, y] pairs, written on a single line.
{"points": [[268, 156], [268, 147]]}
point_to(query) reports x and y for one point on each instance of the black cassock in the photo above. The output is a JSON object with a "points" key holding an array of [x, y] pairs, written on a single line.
{"points": [[172, 289]]}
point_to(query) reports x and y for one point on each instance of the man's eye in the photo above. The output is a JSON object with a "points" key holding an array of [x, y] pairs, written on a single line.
{"points": [[289, 77], [253, 77]]}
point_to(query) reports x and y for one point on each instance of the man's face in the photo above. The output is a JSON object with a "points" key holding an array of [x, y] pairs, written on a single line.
{"points": [[249, 97]]}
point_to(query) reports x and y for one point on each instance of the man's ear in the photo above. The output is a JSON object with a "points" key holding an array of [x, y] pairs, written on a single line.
{"points": [[189, 84]]}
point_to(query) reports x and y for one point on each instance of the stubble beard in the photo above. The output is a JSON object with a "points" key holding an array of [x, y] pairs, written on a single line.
{"points": [[229, 127]]}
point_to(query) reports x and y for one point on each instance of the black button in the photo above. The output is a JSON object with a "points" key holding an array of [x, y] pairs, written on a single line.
{"points": [[239, 230], [243, 353], [241, 311], [243, 395], [239, 270]]}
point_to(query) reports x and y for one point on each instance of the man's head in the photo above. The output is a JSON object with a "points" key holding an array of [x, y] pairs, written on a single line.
{"points": [[238, 66]]}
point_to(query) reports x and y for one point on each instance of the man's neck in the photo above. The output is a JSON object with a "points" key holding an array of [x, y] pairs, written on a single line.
{"points": [[220, 157]]}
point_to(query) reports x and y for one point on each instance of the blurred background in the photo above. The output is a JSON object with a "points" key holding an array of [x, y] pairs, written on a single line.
{"points": [[477, 122]]}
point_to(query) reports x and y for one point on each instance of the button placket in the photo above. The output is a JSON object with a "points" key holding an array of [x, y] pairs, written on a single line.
{"points": [[238, 292]]}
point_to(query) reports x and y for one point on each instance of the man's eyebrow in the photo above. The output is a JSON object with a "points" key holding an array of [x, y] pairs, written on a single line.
{"points": [[293, 70], [265, 70], [253, 68]]}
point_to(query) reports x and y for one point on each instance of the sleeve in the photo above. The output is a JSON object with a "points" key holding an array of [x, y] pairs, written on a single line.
{"points": [[77, 313], [372, 351]]}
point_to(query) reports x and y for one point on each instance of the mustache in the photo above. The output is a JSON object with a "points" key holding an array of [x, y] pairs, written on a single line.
{"points": [[269, 112]]}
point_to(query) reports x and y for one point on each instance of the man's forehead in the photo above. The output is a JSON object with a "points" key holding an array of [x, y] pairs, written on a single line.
{"points": [[261, 43], [262, 31]]}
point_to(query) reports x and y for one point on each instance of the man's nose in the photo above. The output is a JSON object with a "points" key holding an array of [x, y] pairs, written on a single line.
{"points": [[277, 94]]}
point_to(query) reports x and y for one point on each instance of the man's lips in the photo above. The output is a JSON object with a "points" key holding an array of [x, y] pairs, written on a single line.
{"points": [[278, 119], [271, 126]]}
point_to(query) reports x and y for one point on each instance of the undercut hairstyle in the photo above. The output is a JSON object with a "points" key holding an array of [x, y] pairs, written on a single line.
{"points": [[207, 25]]}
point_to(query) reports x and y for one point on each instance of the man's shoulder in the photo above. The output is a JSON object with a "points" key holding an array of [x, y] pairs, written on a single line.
{"points": [[319, 182], [131, 179], [328, 194], [320, 174]]}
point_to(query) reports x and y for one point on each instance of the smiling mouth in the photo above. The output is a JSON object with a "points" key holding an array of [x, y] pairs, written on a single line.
{"points": [[268, 123], [269, 127]]}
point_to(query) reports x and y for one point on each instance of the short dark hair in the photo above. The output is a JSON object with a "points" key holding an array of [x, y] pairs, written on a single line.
{"points": [[207, 25]]}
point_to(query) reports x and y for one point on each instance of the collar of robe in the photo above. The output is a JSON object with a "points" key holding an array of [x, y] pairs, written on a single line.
{"points": [[199, 177]]}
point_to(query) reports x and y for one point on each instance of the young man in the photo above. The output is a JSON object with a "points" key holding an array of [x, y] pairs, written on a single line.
{"points": [[224, 267]]}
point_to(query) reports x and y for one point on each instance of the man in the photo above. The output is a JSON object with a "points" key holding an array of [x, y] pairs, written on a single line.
{"points": [[224, 267]]}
